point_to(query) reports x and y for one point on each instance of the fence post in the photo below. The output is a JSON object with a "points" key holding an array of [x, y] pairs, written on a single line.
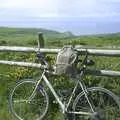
{"points": [[40, 40]]}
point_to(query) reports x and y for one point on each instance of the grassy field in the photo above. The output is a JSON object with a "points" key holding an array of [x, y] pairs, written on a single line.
{"points": [[28, 37]]}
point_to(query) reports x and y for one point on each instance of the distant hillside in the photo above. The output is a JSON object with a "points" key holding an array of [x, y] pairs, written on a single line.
{"points": [[33, 31], [29, 36]]}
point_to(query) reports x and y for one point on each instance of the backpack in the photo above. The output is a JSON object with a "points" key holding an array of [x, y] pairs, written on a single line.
{"points": [[65, 61]]}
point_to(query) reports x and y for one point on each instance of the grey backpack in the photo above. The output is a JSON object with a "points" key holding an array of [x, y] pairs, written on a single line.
{"points": [[65, 61]]}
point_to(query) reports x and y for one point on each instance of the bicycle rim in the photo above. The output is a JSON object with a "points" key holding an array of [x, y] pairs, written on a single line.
{"points": [[23, 109], [105, 104]]}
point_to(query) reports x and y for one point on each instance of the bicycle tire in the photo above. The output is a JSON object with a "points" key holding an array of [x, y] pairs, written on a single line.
{"points": [[106, 101], [36, 109]]}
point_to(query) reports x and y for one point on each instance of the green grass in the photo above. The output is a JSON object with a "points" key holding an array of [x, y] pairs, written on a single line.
{"points": [[28, 37]]}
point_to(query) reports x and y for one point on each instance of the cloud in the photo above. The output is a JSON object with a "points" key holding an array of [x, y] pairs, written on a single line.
{"points": [[29, 8], [29, 4], [58, 8], [91, 8]]}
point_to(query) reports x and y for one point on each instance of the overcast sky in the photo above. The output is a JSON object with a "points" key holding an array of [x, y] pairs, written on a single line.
{"points": [[20, 9], [78, 16]]}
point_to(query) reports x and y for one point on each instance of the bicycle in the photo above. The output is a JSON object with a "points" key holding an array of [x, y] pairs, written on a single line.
{"points": [[29, 99]]}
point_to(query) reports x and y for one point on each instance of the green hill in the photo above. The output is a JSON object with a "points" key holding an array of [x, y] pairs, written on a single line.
{"points": [[23, 36], [29, 37]]}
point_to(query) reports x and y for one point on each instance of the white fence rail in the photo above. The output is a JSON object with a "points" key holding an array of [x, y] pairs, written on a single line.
{"points": [[97, 52], [89, 71], [22, 64]]}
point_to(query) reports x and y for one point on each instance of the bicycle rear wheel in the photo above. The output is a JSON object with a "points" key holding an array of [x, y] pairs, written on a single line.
{"points": [[105, 104], [22, 108]]}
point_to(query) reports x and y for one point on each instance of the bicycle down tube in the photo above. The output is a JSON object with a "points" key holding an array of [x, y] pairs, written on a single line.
{"points": [[53, 91]]}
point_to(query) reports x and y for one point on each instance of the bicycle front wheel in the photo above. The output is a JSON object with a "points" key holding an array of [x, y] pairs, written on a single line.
{"points": [[104, 103], [23, 108]]}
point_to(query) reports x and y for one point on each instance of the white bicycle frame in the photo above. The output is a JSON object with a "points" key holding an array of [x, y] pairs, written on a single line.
{"points": [[63, 106]]}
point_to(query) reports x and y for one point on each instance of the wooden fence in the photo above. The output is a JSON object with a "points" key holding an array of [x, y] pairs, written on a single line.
{"points": [[40, 48]]}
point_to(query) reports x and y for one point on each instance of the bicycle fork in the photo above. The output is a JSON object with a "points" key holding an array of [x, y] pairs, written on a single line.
{"points": [[36, 86]]}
